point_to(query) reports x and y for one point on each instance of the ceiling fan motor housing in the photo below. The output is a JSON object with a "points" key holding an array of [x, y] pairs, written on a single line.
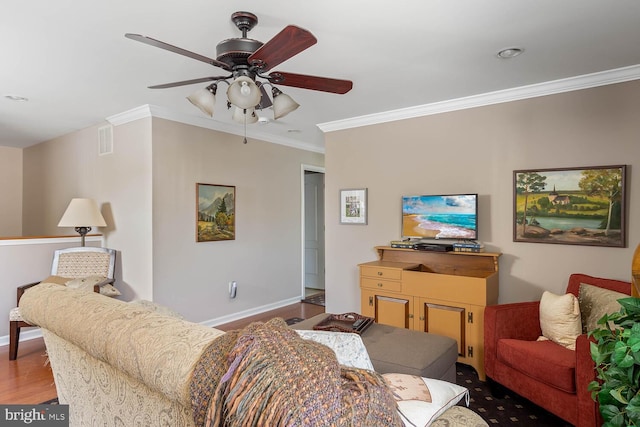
{"points": [[235, 51]]}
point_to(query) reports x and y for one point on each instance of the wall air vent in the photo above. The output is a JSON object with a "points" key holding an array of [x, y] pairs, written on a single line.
{"points": [[105, 140]]}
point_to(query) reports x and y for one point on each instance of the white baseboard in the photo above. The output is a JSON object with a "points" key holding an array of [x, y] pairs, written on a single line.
{"points": [[251, 312], [25, 335]]}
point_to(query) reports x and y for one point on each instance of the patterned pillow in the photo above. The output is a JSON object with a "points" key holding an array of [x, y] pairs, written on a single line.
{"points": [[58, 280], [348, 347], [422, 400], [87, 284], [595, 302]]}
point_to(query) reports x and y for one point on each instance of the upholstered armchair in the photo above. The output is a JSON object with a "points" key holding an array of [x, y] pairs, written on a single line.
{"points": [[548, 374], [72, 264]]}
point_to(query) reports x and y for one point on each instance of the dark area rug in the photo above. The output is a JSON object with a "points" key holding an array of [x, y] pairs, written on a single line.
{"points": [[317, 299], [512, 410]]}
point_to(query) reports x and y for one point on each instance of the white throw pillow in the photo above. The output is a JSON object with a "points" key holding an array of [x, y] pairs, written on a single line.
{"points": [[348, 347], [560, 318], [422, 400]]}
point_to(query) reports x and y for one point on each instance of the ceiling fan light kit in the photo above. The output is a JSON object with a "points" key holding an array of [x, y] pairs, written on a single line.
{"points": [[247, 61]]}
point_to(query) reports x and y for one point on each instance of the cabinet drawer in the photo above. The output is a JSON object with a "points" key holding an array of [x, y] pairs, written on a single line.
{"points": [[387, 285], [381, 272]]}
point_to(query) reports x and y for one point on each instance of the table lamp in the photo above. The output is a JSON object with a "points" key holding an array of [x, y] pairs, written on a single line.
{"points": [[82, 214]]}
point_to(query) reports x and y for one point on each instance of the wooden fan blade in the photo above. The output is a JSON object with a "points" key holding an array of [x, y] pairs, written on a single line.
{"points": [[166, 46], [287, 43], [323, 84], [188, 82]]}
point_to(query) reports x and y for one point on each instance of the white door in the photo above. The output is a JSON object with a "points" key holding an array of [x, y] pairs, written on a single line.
{"points": [[314, 230]]}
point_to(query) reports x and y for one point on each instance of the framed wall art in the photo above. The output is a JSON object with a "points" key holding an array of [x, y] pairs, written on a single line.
{"points": [[215, 212], [353, 206], [571, 206]]}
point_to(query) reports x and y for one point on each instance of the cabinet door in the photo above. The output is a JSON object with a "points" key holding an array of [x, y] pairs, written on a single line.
{"points": [[388, 309], [444, 318]]}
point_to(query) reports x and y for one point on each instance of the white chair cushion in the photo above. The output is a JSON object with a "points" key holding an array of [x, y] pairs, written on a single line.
{"points": [[14, 315]]}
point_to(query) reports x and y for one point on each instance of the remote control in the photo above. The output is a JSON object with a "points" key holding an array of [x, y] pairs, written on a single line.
{"points": [[357, 323]]}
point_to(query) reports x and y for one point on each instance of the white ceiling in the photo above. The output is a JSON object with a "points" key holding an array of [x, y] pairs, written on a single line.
{"points": [[72, 61]]}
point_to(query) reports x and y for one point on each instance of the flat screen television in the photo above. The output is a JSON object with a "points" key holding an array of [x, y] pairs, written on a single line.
{"points": [[444, 216]]}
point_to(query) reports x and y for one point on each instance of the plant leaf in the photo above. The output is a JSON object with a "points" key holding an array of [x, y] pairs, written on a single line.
{"points": [[631, 306]]}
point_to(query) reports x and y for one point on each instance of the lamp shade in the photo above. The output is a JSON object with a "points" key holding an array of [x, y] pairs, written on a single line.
{"points": [[82, 213], [283, 104], [204, 99], [244, 93], [240, 115]]}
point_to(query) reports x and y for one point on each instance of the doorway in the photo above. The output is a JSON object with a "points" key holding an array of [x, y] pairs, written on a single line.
{"points": [[313, 233]]}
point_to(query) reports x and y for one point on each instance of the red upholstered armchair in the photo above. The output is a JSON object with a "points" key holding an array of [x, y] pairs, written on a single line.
{"points": [[549, 375]]}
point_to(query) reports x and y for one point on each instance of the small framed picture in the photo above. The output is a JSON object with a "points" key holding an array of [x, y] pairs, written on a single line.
{"points": [[215, 212], [353, 206]]}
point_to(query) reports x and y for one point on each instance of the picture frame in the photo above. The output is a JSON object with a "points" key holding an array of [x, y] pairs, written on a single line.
{"points": [[215, 212], [571, 206], [353, 206]]}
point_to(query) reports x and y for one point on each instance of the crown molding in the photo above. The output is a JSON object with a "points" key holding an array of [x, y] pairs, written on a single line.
{"points": [[146, 111], [586, 81]]}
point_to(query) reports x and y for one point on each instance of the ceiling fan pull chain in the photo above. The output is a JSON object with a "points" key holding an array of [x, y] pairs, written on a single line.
{"points": [[245, 127]]}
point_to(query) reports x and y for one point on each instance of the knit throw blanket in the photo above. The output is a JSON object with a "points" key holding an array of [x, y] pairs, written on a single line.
{"points": [[267, 375]]}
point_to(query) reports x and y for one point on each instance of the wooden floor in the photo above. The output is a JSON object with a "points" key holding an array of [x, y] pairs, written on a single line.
{"points": [[28, 380]]}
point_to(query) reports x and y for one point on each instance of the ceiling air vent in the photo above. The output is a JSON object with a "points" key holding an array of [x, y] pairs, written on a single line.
{"points": [[105, 140]]}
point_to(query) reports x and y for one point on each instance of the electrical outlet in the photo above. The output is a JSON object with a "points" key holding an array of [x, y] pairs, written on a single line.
{"points": [[233, 289]]}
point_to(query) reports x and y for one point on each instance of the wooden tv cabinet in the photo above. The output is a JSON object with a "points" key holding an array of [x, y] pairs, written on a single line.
{"points": [[444, 293]]}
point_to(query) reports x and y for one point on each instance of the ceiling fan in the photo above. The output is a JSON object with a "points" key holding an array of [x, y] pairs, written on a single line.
{"points": [[249, 63]]}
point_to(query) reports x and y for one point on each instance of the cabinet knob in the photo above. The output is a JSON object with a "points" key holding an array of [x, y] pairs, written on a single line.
{"points": [[379, 273], [380, 285], [410, 316]]}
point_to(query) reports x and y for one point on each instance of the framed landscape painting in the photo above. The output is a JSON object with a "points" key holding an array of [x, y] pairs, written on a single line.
{"points": [[215, 212], [572, 206]]}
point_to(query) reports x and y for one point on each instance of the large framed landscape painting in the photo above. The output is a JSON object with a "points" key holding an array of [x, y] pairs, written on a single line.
{"points": [[571, 206], [215, 212]]}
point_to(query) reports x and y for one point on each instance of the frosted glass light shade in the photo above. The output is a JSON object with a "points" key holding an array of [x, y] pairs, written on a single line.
{"points": [[204, 99], [244, 93], [239, 115], [82, 213], [283, 104]]}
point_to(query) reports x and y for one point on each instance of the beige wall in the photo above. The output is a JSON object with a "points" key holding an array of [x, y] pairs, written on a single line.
{"points": [[58, 170], [146, 190], [10, 191], [476, 150], [264, 259]]}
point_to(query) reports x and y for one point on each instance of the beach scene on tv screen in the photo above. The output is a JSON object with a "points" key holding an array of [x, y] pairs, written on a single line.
{"points": [[440, 217]]}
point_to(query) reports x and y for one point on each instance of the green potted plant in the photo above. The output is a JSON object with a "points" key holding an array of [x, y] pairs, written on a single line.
{"points": [[616, 352]]}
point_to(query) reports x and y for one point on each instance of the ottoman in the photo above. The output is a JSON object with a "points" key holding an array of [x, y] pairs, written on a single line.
{"points": [[403, 351]]}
